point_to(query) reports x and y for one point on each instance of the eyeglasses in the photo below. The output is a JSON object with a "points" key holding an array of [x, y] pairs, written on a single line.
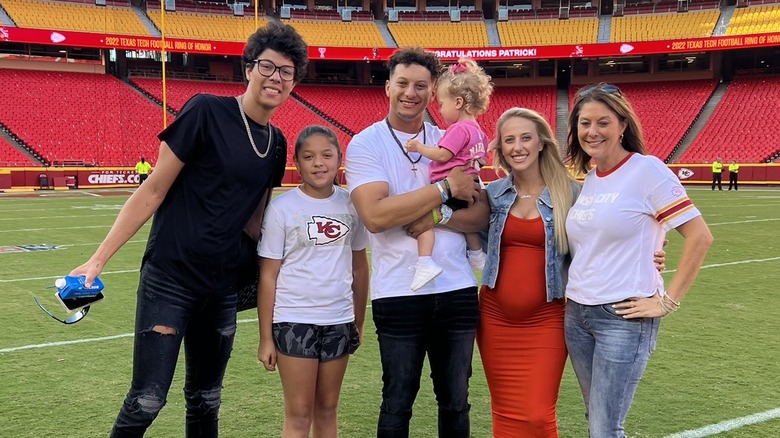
{"points": [[268, 68], [606, 88]]}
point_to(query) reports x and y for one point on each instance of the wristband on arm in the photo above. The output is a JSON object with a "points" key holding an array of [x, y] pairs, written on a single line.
{"points": [[442, 192]]}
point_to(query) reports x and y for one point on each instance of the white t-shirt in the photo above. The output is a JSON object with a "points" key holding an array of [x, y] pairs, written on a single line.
{"points": [[619, 220], [374, 156], [314, 239]]}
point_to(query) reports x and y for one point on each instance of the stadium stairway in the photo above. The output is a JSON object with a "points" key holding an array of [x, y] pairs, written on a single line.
{"points": [[723, 21], [385, 32], [561, 118], [146, 21], [5, 19], [148, 95], [698, 123], [492, 33], [20, 145], [321, 114], [605, 28]]}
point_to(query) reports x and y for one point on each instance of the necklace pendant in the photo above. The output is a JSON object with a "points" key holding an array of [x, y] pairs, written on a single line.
{"points": [[414, 169], [525, 196]]}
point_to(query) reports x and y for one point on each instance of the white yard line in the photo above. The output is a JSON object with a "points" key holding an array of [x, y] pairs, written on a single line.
{"points": [[702, 432], [56, 228], [741, 262], [14, 280], [725, 426], [744, 222], [82, 216]]}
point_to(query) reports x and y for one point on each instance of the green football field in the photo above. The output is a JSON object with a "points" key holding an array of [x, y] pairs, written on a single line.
{"points": [[715, 372]]}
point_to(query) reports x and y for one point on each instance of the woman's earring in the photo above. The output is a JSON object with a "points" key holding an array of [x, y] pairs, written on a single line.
{"points": [[621, 139]]}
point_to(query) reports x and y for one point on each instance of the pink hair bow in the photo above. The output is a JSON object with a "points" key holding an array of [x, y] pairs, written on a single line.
{"points": [[460, 67]]}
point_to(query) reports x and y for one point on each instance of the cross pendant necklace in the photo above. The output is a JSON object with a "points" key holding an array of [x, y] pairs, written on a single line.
{"points": [[403, 149]]}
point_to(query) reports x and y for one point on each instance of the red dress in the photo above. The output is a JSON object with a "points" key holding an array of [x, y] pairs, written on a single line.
{"points": [[520, 336]]}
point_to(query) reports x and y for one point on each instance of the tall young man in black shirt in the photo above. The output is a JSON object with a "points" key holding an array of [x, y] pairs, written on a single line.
{"points": [[217, 165]]}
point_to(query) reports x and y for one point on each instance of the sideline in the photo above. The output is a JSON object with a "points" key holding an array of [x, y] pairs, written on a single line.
{"points": [[725, 426], [718, 265], [84, 340], [54, 277]]}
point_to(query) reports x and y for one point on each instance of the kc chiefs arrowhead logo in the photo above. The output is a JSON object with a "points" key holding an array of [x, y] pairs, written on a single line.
{"points": [[325, 230]]}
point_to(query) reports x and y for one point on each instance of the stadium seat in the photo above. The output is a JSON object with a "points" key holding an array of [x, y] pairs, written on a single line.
{"points": [[96, 116], [10, 156], [743, 126], [664, 26], [75, 17]]}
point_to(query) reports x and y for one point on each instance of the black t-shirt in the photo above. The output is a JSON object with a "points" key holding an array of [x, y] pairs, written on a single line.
{"points": [[196, 231]]}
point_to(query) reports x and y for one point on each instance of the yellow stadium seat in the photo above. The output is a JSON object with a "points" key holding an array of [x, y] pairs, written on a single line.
{"points": [[75, 17]]}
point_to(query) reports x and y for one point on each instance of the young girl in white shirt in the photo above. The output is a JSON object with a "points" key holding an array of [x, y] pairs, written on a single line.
{"points": [[313, 287]]}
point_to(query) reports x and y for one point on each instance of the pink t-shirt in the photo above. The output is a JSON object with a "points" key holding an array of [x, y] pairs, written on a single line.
{"points": [[467, 142]]}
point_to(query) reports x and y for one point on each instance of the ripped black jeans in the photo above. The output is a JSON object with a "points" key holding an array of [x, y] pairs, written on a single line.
{"points": [[166, 314]]}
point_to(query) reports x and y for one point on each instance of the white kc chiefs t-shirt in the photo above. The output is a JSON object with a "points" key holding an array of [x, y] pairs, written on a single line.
{"points": [[314, 239]]}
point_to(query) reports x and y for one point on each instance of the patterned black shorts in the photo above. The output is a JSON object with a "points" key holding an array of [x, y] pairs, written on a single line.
{"points": [[321, 342]]}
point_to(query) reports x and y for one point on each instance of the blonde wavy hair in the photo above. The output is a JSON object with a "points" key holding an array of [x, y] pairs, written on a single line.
{"points": [[554, 174], [467, 80]]}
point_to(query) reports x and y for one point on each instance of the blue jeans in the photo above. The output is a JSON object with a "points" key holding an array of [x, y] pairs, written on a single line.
{"points": [[166, 314], [609, 355], [443, 326]]}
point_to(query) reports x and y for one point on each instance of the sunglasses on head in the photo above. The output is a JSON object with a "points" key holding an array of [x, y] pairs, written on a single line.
{"points": [[606, 88]]}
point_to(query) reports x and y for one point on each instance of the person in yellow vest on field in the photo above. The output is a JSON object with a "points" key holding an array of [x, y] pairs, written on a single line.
{"points": [[142, 168], [717, 173], [733, 174]]}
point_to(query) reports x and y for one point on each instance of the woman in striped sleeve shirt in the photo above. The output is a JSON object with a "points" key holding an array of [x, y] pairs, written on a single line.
{"points": [[616, 298]]}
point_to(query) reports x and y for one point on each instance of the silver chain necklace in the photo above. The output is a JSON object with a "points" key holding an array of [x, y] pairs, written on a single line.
{"points": [[403, 149], [240, 100]]}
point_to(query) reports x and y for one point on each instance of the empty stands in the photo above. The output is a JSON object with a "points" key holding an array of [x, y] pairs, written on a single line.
{"points": [[11, 156], [664, 26], [354, 107], [439, 34], [89, 117], [75, 17], [755, 19], [339, 34], [210, 27], [744, 125], [548, 32]]}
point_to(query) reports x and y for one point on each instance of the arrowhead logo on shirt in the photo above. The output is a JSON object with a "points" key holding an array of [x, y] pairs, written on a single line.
{"points": [[324, 230]]}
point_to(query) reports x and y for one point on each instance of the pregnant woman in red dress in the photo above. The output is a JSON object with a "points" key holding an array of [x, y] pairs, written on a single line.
{"points": [[520, 334]]}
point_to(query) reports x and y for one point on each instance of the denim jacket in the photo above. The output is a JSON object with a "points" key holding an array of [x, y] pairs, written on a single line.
{"points": [[502, 195]]}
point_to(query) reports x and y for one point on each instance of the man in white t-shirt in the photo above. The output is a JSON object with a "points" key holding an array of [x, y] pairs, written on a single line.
{"points": [[390, 189]]}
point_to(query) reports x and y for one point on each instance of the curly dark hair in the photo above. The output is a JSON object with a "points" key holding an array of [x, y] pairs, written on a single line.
{"points": [[282, 38], [415, 55]]}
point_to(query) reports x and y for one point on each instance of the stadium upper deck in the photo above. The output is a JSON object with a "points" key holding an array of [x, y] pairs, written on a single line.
{"points": [[541, 79], [517, 27]]}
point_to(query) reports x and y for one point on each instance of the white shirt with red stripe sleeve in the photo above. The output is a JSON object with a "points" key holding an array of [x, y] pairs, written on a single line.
{"points": [[619, 220]]}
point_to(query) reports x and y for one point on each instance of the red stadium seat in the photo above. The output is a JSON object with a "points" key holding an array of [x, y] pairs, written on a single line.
{"points": [[743, 126]]}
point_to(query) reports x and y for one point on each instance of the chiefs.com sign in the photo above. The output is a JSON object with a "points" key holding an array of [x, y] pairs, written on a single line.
{"points": [[110, 178]]}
